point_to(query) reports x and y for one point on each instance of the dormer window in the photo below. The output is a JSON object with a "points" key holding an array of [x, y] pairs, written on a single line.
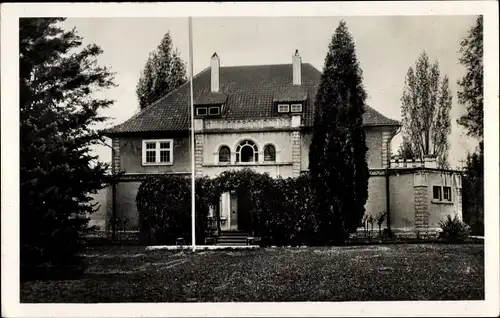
{"points": [[296, 108], [283, 108], [214, 111], [201, 111]]}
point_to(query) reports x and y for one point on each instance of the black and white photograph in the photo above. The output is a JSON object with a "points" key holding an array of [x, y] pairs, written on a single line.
{"points": [[242, 156]]}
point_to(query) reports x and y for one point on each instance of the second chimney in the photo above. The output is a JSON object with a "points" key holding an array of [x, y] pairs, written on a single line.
{"points": [[297, 65], [214, 69]]}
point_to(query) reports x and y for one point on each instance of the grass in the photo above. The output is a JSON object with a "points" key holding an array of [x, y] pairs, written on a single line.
{"points": [[357, 273]]}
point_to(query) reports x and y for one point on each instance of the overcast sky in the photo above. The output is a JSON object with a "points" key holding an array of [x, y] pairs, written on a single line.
{"points": [[385, 46]]}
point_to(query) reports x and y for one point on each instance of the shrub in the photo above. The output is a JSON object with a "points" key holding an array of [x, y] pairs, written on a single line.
{"points": [[164, 205], [454, 230]]}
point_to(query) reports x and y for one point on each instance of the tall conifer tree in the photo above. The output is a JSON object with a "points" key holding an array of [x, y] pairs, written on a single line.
{"points": [[58, 110], [164, 71], [337, 155]]}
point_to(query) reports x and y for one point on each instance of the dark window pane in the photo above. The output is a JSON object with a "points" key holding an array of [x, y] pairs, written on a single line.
{"points": [[165, 145], [247, 154], [269, 153], [224, 154], [150, 145], [150, 156], [201, 111], [165, 156], [213, 111], [436, 192]]}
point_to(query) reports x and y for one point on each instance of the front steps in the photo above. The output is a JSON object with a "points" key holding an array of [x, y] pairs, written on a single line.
{"points": [[233, 238]]}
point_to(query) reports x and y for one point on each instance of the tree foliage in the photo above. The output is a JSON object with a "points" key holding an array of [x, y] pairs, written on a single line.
{"points": [[164, 205], [164, 71], [280, 210], [473, 191], [471, 93], [339, 172], [426, 104], [58, 111]]}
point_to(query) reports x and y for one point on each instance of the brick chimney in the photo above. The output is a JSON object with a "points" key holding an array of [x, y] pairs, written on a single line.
{"points": [[214, 70], [297, 65]]}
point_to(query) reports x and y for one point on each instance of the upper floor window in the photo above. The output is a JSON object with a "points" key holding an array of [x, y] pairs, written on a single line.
{"points": [[224, 154], [247, 151], [208, 111], [201, 111], [269, 153], [157, 152], [296, 108], [283, 108], [214, 110]]}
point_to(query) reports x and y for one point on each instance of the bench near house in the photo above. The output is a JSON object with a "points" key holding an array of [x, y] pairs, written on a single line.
{"points": [[261, 117]]}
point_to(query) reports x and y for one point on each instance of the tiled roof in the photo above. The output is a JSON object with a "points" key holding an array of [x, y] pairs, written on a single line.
{"points": [[249, 92], [212, 98], [293, 93]]}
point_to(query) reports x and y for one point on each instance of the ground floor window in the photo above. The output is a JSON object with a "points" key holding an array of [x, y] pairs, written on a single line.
{"points": [[441, 193], [157, 152]]}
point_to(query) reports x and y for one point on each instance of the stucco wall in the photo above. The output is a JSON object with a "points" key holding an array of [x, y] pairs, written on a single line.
{"points": [[104, 200], [402, 201], [439, 210], [376, 201], [125, 202], [373, 142], [280, 139], [131, 156]]}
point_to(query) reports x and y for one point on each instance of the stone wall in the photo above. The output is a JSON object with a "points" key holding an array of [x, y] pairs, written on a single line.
{"points": [[296, 149]]}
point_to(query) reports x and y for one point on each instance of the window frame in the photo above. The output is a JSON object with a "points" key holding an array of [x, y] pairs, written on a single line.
{"points": [[157, 151], [274, 150], [247, 143], [219, 155], [442, 198], [296, 111], [450, 199], [214, 107], [287, 107], [198, 111], [440, 193]]}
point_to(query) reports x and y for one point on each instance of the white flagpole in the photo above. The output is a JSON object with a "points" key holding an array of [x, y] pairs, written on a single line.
{"points": [[191, 111]]}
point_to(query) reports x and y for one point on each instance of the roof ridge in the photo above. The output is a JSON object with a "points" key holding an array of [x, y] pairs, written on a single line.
{"points": [[256, 65]]}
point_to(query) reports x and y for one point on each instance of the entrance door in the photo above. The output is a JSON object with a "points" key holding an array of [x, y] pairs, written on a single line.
{"points": [[244, 222], [233, 218]]}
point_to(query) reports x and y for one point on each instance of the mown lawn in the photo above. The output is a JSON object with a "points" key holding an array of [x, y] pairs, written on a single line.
{"points": [[384, 272]]}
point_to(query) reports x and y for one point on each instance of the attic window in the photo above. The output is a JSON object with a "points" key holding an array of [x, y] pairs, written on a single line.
{"points": [[283, 108], [214, 111], [296, 108], [201, 111]]}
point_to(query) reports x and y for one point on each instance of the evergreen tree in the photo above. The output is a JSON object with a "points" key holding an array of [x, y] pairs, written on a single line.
{"points": [[339, 172], [473, 191], [426, 104], [57, 115], [164, 71]]}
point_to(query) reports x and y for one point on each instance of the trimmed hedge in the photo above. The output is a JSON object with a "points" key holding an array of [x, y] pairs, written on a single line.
{"points": [[282, 211], [164, 205]]}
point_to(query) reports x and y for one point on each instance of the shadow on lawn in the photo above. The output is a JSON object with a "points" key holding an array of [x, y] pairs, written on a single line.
{"points": [[352, 273]]}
